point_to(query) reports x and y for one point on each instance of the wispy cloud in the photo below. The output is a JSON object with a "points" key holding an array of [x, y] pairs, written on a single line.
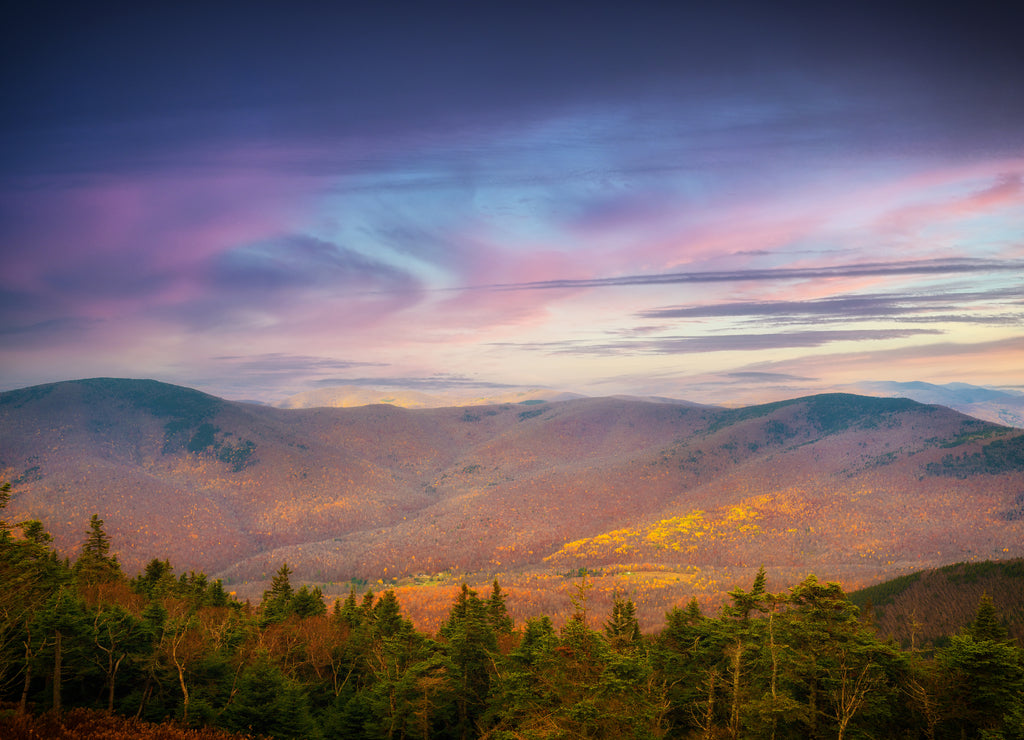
{"points": [[285, 363], [726, 342], [855, 307], [279, 201], [762, 377], [957, 266], [435, 382]]}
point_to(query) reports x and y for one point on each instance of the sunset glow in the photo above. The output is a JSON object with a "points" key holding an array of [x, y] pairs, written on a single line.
{"points": [[722, 209]]}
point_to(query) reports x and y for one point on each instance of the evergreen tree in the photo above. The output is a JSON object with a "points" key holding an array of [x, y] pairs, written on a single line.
{"points": [[387, 616], [987, 624], [471, 647], [692, 614], [497, 613], [834, 665], [268, 703], [308, 602], [744, 603], [622, 629], [30, 573], [277, 600], [521, 690], [216, 595], [61, 626], [348, 612], [985, 680], [688, 656], [94, 563], [366, 607]]}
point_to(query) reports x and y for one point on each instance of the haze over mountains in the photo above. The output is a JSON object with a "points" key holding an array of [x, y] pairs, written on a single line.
{"points": [[989, 404], [345, 396], [850, 487]]}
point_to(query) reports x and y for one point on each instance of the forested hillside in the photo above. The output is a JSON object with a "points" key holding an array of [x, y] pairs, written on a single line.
{"points": [[921, 607], [796, 663], [663, 500]]}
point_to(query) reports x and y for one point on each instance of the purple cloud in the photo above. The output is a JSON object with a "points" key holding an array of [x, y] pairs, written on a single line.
{"points": [[854, 308], [872, 269]]}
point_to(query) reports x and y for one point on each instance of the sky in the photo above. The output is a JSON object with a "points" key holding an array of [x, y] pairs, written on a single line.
{"points": [[722, 202]]}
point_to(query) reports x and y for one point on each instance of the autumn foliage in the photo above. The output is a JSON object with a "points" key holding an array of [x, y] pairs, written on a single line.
{"points": [[667, 501]]}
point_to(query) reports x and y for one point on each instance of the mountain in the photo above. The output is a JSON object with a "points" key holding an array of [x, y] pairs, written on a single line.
{"points": [[988, 404], [662, 500]]}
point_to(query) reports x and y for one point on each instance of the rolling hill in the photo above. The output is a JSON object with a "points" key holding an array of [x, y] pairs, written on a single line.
{"points": [[665, 500], [988, 404], [925, 606]]}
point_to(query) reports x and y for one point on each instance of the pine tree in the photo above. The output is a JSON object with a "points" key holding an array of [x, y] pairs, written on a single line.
{"points": [[347, 612], [387, 616], [497, 613], [94, 563], [62, 626], [985, 686], [622, 629], [277, 600], [270, 704], [693, 613], [366, 606], [308, 602], [471, 645], [743, 603], [986, 624]]}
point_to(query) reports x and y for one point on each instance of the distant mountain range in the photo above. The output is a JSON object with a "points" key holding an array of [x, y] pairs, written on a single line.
{"points": [[997, 406], [347, 396], [663, 500], [989, 404]]}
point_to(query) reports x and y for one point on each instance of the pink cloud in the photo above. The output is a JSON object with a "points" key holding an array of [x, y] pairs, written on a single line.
{"points": [[1003, 191], [109, 244]]}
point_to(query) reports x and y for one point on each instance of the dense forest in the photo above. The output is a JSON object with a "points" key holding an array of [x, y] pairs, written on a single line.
{"points": [[86, 651]]}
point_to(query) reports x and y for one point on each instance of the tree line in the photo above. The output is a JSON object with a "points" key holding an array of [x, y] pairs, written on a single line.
{"points": [[160, 646]]}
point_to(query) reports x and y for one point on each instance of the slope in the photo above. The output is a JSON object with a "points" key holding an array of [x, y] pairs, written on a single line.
{"points": [[924, 606], [846, 486]]}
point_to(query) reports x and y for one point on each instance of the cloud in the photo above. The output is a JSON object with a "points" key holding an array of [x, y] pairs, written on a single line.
{"points": [[752, 342], [295, 263], [854, 307], [434, 382], [956, 266], [1007, 191], [67, 330], [762, 377], [279, 362], [996, 362]]}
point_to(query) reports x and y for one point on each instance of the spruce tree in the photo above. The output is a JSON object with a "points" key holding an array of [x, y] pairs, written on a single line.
{"points": [[347, 612], [277, 600], [471, 645], [387, 616], [94, 563], [497, 613], [622, 629], [986, 624], [269, 703], [308, 602]]}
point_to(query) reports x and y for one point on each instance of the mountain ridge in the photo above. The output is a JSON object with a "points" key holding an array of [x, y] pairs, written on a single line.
{"points": [[857, 487]]}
